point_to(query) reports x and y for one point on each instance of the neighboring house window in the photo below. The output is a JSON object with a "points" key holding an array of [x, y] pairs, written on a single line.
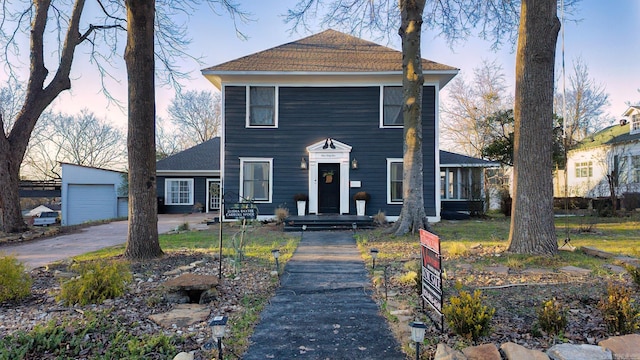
{"points": [[635, 168], [635, 123], [261, 106], [392, 106], [394, 181], [256, 177], [178, 191], [584, 169]]}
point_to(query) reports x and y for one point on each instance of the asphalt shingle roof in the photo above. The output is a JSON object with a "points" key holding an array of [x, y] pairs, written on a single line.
{"points": [[328, 51], [614, 134], [203, 157], [449, 158]]}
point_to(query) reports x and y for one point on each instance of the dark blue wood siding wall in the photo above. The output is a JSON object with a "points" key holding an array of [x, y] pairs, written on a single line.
{"points": [[310, 114], [199, 195]]}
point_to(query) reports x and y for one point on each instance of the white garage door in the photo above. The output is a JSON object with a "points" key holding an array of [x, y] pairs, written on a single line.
{"points": [[90, 202]]}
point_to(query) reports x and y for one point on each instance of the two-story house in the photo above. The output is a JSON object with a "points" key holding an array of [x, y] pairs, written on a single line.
{"points": [[614, 150], [323, 116]]}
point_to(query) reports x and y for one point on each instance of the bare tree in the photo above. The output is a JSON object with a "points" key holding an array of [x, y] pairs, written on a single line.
{"points": [[467, 116], [532, 225], [167, 140], [196, 115], [585, 103], [64, 36], [81, 139], [455, 18], [11, 97]]}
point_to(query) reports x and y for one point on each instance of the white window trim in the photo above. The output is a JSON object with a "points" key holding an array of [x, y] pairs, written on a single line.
{"points": [[167, 188], [389, 162], [241, 188], [382, 125], [248, 108]]}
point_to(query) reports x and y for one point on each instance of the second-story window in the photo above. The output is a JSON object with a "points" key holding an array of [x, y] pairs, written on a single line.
{"points": [[584, 169], [261, 106], [392, 106]]}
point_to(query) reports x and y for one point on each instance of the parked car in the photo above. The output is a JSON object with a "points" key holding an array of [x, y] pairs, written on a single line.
{"points": [[46, 218]]}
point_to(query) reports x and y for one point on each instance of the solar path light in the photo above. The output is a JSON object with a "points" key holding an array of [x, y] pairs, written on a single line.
{"points": [[417, 335], [276, 256], [218, 326], [374, 255]]}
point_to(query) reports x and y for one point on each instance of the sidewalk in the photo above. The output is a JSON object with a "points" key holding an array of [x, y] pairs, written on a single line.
{"points": [[323, 308]]}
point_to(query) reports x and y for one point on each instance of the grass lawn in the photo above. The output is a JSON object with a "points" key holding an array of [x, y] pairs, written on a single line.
{"points": [[461, 238]]}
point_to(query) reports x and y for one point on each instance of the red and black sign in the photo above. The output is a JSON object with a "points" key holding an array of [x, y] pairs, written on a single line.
{"points": [[431, 271]]}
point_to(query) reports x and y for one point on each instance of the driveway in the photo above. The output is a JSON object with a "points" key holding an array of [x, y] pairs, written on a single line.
{"points": [[41, 252]]}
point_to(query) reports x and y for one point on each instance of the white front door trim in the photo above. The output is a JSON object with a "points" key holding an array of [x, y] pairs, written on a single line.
{"points": [[322, 152]]}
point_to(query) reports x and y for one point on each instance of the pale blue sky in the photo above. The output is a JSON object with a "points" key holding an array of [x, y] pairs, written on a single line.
{"points": [[606, 38]]}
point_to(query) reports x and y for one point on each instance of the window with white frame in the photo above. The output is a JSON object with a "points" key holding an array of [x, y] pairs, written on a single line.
{"points": [[584, 169], [261, 106], [635, 168], [635, 123], [394, 181], [178, 191], [392, 106], [256, 178]]}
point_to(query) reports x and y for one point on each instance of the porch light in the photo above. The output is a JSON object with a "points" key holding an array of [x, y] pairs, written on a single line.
{"points": [[374, 255], [354, 164], [303, 164], [218, 325], [417, 335]]}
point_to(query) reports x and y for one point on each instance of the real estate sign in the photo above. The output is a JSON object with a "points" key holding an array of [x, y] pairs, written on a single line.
{"points": [[431, 271]]}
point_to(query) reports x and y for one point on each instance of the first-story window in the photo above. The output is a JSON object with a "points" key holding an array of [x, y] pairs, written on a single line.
{"points": [[178, 191], [584, 169], [256, 178], [635, 168], [394, 181]]}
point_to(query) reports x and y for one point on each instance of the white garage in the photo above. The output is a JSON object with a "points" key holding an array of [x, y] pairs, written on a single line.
{"points": [[89, 194]]}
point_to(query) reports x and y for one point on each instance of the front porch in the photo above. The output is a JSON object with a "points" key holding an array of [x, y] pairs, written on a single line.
{"points": [[327, 222]]}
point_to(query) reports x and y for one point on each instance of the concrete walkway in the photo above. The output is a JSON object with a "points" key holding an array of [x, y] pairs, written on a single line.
{"points": [[323, 308], [41, 252]]}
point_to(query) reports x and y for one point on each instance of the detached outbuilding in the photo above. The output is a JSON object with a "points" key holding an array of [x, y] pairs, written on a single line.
{"points": [[91, 194]]}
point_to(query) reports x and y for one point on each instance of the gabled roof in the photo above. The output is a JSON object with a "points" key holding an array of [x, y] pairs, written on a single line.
{"points": [[631, 109], [614, 134], [458, 160], [202, 157], [329, 51]]}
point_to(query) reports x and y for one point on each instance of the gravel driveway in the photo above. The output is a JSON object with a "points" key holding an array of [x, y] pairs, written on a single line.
{"points": [[45, 251]]}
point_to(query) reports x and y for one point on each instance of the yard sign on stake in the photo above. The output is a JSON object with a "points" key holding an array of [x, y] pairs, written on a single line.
{"points": [[432, 274]]}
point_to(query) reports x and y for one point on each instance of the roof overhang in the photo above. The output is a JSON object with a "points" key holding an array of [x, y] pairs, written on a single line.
{"points": [[485, 165], [218, 78], [213, 173], [630, 110]]}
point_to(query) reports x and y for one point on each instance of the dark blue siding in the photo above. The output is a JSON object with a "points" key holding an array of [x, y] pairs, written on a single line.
{"points": [[199, 195], [310, 114]]}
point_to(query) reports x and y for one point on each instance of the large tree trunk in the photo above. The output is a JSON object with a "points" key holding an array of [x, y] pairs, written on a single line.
{"points": [[532, 225], [142, 241], [412, 217], [37, 97]]}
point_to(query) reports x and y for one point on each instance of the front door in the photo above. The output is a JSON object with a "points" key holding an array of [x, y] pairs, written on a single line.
{"points": [[329, 188]]}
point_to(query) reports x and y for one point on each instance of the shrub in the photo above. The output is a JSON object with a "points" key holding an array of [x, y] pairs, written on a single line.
{"points": [[380, 218], [552, 317], [635, 273], [619, 312], [631, 200], [505, 202], [98, 281], [467, 316], [15, 283], [281, 214]]}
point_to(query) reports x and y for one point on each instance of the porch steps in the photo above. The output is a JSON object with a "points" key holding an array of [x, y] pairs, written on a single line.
{"points": [[327, 222]]}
